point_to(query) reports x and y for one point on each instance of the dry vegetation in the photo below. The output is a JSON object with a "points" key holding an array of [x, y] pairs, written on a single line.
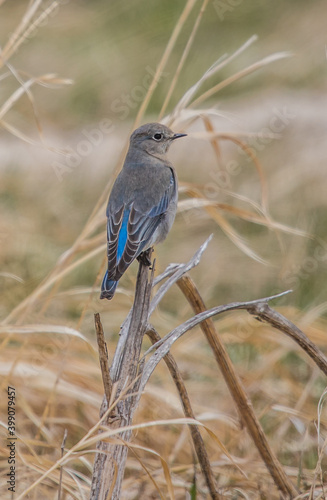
{"points": [[252, 195]]}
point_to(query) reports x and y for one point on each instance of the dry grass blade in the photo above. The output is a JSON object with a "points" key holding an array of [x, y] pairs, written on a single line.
{"points": [[30, 300], [109, 433], [189, 94], [189, 116], [322, 400], [52, 81], [63, 266], [81, 488], [29, 94], [26, 27], [257, 164], [17, 133], [319, 473], [214, 142], [212, 134], [217, 66], [46, 328], [238, 240], [12, 276], [183, 59], [70, 453], [10, 46], [190, 204], [169, 48], [165, 467], [48, 80], [23, 137], [226, 227], [241, 74]]}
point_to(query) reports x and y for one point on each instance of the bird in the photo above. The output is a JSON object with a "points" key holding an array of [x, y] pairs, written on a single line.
{"points": [[142, 203]]}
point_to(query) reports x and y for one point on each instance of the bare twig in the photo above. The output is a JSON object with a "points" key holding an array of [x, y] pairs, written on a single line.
{"points": [[263, 312], [162, 63], [173, 272], [103, 357], [179, 271], [166, 342], [182, 60], [188, 411], [240, 74], [61, 468]]}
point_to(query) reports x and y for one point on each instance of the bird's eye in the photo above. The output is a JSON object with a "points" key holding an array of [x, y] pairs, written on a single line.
{"points": [[157, 137]]}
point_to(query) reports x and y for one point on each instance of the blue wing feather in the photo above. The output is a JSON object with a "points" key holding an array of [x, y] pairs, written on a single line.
{"points": [[122, 237]]}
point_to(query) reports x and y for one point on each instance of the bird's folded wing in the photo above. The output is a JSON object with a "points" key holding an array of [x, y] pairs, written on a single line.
{"points": [[130, 229]]}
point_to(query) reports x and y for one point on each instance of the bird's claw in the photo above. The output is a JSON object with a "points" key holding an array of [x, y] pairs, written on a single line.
{"points": [[145, 257]]}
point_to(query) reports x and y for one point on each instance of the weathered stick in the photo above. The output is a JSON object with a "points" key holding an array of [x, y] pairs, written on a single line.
{"points": [[110, 459], [237, 391], [188, 411], [263, 312], [163, 347], [129, 376]]}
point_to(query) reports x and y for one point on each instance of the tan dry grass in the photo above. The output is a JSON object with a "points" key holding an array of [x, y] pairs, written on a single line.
{"points": [[65, 391]]}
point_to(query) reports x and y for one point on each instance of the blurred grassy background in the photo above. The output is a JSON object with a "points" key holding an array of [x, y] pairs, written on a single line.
{"points": [[109, 49]]}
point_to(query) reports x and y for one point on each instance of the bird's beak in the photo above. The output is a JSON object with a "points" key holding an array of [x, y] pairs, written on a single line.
{"points": [[177, 136]]}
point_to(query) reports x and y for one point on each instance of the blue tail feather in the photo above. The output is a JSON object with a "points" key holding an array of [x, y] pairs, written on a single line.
{"points": [[108, 287]]}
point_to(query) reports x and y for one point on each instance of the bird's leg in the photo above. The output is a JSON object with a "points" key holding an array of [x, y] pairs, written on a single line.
{"points": [[145, 257]]}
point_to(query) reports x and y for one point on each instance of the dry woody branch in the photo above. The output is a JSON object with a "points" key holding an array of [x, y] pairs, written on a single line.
{"points": [[130, 372]]}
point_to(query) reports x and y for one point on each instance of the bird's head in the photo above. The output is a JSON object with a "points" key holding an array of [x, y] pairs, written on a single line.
{"points": [[154, 138]]}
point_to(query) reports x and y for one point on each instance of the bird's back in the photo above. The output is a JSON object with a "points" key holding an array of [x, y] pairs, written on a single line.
{"points": [[143, 182]]}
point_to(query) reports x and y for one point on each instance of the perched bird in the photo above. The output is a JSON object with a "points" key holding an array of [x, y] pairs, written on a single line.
{"points": [[142, 204]]}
